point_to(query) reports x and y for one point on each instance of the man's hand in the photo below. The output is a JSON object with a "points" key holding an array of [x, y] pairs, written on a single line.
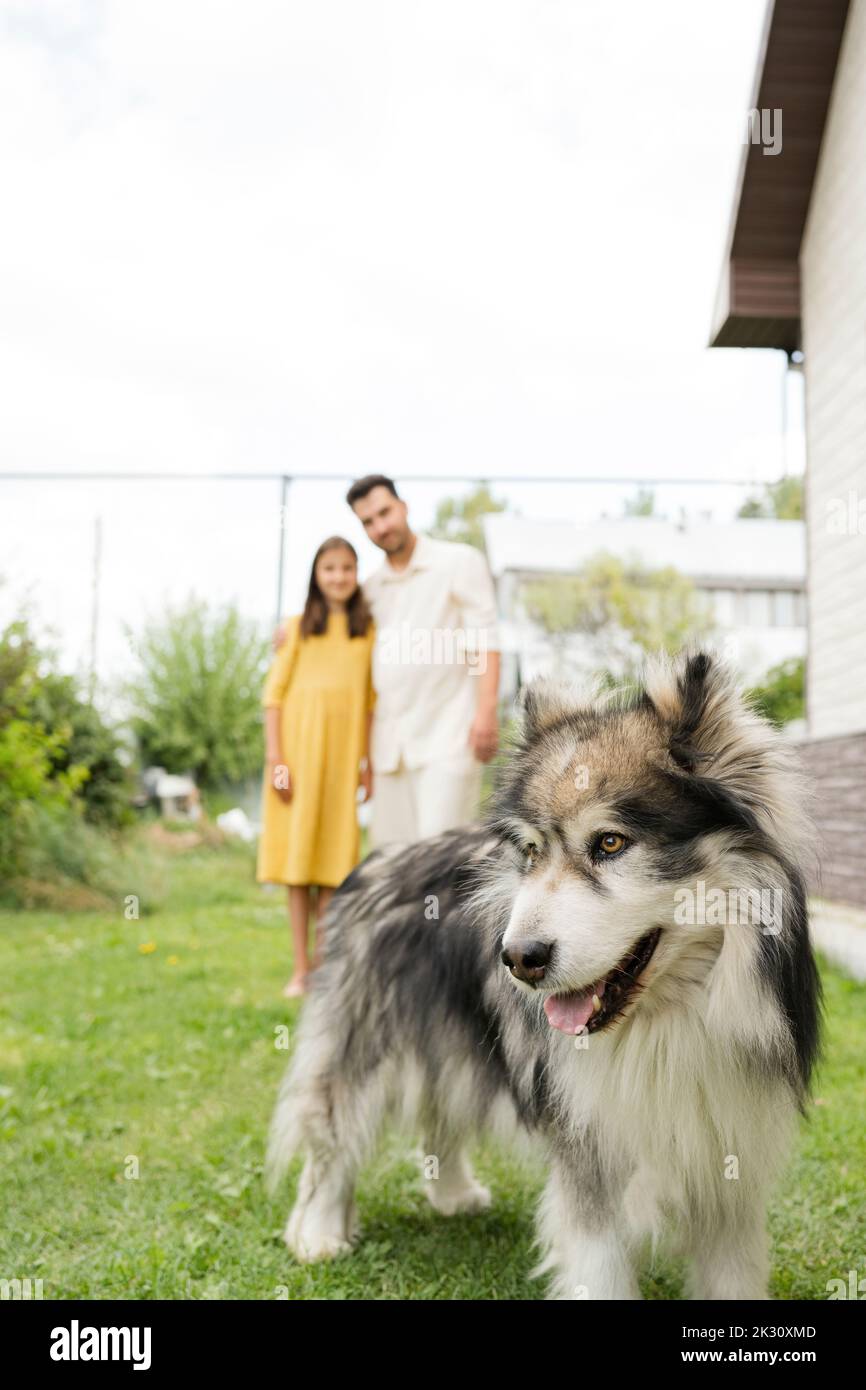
{"points": [[484, 735], [280, 779], [279, 636]]}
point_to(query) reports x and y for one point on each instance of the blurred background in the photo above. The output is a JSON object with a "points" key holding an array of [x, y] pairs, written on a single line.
{"points": [[252, 254], [587, 280]]}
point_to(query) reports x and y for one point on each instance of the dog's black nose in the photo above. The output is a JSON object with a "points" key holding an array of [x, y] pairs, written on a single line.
{"points": [[527, 959]]}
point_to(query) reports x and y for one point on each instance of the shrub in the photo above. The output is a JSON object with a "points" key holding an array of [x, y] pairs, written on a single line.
{"points": [[197, 695]]}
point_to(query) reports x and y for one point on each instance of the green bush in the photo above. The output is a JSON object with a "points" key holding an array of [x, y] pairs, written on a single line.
{"points": [[65, 862], [781, 696], [59, 767], [91, 743], [197, 695], [30, 783]]}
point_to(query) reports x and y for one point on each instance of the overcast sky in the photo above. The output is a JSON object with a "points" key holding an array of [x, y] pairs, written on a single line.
{"points": [[413, 236]]}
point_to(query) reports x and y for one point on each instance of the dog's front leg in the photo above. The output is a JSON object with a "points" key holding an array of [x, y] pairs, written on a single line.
{"points": [[732, 1263], [584, 1251]]}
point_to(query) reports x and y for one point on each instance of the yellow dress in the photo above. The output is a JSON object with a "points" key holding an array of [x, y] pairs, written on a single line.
{"points": [[324, 688]]}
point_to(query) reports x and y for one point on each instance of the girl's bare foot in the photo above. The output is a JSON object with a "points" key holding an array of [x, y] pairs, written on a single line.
{"points": [[296, 987]]}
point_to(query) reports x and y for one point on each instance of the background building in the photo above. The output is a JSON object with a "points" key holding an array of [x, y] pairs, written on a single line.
{"points": [[751, 572], [794, 279]]}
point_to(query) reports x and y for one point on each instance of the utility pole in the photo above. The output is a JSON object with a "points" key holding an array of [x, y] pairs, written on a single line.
{"points": [[94, 611], [284, 493]]}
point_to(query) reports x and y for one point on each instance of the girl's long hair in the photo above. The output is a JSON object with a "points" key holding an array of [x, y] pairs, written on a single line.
{"points": [[314, 619]]}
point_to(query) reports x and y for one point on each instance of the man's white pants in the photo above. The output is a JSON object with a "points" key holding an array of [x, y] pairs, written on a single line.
{"points": [[412, 803]]}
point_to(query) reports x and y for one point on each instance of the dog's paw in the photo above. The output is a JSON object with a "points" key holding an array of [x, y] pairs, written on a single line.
{"points": [[310, 1243], [449, 1203]]}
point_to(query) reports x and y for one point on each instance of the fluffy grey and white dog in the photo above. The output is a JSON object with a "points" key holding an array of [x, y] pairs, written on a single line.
{"points": [[616, 962]]}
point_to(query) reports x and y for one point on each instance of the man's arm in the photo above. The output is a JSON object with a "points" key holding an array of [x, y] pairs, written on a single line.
{"points": [[477, 599], [484, 734], [365, 779]]}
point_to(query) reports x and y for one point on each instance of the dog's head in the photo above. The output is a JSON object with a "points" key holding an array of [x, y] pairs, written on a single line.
{"points": [[637, 837]]}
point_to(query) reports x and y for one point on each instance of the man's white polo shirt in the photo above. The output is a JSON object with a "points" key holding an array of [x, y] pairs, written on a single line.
{"points": [[435, 623]]}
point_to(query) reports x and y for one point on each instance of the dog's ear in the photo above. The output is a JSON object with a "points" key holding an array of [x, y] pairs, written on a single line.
{"points": [[697, 700], [545, 702], [694, 698], [722, 749]]}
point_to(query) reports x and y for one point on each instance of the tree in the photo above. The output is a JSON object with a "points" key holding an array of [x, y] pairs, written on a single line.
{"points": [[623, 609], [196, 698], [781, 695], [459, 518], [642, 504], [781, 501]]}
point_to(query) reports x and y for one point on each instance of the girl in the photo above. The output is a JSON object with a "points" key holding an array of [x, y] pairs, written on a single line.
{"points": [[318, 702]]}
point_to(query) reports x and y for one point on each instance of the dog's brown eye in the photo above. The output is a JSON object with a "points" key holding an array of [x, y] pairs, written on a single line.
{"points": [[611, 844]]}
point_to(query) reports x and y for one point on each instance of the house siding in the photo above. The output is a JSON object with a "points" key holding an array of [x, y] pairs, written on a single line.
{"points": [[837, 767], [833, 281], [833, 277]]}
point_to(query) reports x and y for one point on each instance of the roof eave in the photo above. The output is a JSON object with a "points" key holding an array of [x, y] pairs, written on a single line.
{"points": [[758, 299]]}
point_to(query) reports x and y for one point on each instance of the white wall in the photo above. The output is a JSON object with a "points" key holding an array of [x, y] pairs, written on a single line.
{"points": [[833, 264]]}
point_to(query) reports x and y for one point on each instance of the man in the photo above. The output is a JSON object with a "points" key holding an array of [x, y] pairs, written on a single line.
{"points": [[435, 670]]}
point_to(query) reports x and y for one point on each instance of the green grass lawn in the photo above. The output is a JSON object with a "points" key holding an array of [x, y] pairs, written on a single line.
{"points": [[114, 1059]]}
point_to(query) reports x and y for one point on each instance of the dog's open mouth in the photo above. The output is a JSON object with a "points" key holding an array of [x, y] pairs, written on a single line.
{"points": [[590, 1009]]}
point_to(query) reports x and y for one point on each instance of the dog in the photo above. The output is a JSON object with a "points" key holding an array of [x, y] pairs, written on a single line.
{"points": [[615, 963]]}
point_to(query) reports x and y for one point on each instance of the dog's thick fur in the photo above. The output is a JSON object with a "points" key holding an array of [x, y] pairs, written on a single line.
{"points": [[669, 1115]]}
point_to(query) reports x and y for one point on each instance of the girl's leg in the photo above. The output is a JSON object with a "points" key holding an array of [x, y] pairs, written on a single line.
{"points": [[299, 916], [323, 897]]}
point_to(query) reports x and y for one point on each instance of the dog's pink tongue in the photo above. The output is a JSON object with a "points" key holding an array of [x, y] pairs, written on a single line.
{"points": [[568, 1012]]}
